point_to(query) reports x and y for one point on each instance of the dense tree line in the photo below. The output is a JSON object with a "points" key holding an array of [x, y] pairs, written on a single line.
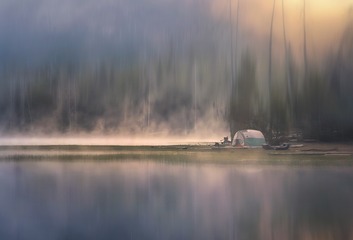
{"points": [[151, 92], [170, 90], [316, 105], [142, 74]]}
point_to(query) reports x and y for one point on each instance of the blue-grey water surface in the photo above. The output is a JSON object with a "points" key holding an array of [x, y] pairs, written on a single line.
{"points": [[148, 199]]}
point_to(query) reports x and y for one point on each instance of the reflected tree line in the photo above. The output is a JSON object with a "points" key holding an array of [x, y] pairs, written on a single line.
{"points": [[179, 82]]}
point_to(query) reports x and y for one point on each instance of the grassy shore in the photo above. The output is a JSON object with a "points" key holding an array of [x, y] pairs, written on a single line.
{"points": [[309, 154]]}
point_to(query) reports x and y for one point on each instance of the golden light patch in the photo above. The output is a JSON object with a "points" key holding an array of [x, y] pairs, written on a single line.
{"points": [[325, 20]]}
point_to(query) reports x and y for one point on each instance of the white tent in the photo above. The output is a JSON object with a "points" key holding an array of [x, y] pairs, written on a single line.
{"points": [[248, 138]]}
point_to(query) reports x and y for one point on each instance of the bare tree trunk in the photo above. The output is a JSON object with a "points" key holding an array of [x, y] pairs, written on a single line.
{"points": [[231, 127], [195, 95], [288, 77], [270, 69], [28, 100], [236, 51], [12, 102], [231, 47], [304, 36], [148, 106], [148, 100], [68, 82], [21, 99], [75, 91], [234, 84]]}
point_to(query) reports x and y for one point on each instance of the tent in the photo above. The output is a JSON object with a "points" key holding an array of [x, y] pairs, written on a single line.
{"points": [[248, 138]]}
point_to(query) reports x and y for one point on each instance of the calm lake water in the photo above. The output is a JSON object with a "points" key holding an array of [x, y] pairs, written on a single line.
{"points": [[153, 199]]}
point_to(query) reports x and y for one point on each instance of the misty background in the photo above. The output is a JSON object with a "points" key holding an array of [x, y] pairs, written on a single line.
{"points": [[176, 66]]}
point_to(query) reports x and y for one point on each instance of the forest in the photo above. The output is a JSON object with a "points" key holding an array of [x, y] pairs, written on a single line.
{"points": [[146, 68]]}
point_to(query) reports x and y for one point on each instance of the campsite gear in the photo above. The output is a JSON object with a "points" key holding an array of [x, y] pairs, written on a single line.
{"points": [[248, 138], [283, 146]]}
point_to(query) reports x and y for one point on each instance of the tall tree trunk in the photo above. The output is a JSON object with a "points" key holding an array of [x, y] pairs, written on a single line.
{"points": [[234, 53], [288, 77], [304, 40], [231, 47], [231, 120], [270, 70], [148, 101], [195, 94]]}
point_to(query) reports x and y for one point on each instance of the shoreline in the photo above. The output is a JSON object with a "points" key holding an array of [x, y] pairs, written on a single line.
{"points": [[338, 147], [311, 154]]}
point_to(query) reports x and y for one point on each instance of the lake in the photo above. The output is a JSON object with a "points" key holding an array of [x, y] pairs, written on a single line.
{"points": [[173, 194]]}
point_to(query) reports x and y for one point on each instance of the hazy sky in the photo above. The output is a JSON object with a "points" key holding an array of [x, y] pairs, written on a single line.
{"points": [[37, 26]]}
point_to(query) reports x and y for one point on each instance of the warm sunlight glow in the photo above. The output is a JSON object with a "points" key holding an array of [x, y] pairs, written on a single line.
{"points": [[325, 22]]}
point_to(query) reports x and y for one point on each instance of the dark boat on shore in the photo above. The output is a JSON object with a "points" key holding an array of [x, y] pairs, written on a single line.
{"points": [[283, 146]]}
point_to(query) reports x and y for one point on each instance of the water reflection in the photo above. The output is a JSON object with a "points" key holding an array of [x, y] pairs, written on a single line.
{"points": [[154, 200]]}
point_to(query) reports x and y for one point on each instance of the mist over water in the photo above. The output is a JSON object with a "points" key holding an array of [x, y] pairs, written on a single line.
{"points": [[175, 67], [100, 140]]}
